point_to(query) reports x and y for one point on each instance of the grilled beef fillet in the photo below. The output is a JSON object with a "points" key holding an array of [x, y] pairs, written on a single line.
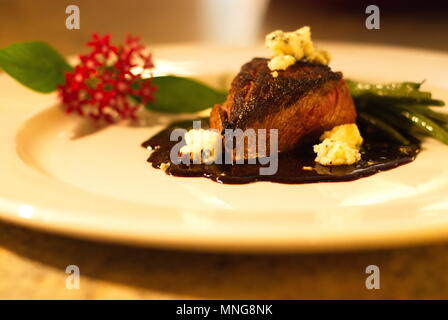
{"points": [[301, 102]]}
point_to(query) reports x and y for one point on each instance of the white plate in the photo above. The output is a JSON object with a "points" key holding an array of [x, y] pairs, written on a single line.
{"points": [[58, 176]]}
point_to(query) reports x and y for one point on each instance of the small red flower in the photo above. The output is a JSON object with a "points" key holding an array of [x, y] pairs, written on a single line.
{"points": [[103, 85], [146, 92], [101, 45]]}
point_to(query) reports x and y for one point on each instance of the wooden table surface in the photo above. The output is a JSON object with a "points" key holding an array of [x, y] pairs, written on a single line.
{"points": [[32, 264]]}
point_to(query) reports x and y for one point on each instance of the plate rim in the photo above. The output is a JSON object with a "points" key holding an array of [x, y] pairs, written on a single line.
{"points": [[9, 209]]}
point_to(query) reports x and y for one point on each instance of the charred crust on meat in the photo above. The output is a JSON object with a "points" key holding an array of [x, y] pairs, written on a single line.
{"points": [[255, 88], [303, 101]]}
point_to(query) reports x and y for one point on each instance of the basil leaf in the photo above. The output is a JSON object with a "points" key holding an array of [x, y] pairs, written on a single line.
{"points": [[177, 94], [36, 65]]}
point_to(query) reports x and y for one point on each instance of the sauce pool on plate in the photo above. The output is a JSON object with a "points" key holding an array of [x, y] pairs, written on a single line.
{"points": [[379, 153]]}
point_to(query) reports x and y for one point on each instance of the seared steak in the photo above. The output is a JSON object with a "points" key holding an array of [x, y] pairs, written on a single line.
{"points": [[302, 101]]}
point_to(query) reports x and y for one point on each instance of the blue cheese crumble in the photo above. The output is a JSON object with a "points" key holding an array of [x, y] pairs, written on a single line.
{"points": [[203, 146], [288, 47], [340, 146]]}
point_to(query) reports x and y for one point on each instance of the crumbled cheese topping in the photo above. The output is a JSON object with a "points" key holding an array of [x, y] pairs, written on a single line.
{"points": [[336, 153], [165, 166], [288, 47], [340, 146], [348, 133], [203, 146], [281, 62]]}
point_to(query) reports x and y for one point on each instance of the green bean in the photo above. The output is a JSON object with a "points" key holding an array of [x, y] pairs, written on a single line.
{"points": [[400, 89], [391, 101], [384, 127], [387, 114], [438, 116], [403, 92], [426, 124], [400, 108]]}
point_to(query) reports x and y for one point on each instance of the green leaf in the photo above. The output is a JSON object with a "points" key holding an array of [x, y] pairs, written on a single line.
{"points": [[36, 65], [183, 95]]}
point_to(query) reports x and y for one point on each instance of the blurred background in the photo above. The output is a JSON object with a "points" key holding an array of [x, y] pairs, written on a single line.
{"points": [[236, 22]]}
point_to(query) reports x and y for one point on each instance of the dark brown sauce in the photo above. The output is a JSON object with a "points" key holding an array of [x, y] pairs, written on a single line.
{"points": [[379, 153]]}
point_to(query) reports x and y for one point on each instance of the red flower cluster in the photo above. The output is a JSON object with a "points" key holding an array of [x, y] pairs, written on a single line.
{"points": [[104, 85]]}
